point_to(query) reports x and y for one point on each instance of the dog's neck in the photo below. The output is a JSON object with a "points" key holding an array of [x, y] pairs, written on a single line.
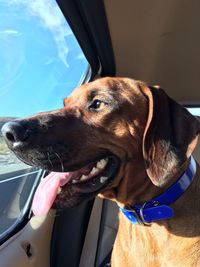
{"points": [[137, 188], [158, 208]]}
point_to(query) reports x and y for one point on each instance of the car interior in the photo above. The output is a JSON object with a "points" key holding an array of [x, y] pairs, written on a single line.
{"points": [[153, 41]]}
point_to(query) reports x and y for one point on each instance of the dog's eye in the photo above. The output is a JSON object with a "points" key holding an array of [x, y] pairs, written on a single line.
{"points": [[97, 104]]}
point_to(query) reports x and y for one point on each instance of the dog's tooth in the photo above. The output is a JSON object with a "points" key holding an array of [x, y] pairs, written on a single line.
{"points": [[74, 181], [94, 171], [103, 179], [83, 177], [102, 163], [59, 190]]}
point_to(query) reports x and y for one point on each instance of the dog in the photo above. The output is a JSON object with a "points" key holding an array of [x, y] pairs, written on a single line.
{"points": [[128, 142]]}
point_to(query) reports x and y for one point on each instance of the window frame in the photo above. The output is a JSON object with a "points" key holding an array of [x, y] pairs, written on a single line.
{"points": [[25, 214], [92, 34]]}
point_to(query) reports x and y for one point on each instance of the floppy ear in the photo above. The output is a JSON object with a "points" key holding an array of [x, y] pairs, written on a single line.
{"points": [[170, 136]]}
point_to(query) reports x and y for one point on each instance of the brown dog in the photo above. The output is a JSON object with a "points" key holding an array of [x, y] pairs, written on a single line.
{"points": [[128, 142]]}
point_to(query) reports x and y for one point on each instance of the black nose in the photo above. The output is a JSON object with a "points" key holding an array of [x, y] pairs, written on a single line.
{"points": [[15, 133]]}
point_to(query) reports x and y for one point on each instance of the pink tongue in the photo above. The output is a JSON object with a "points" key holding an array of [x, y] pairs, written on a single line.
{"points": [[47, 191]]}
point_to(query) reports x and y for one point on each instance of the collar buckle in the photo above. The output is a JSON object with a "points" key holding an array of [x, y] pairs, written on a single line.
{"points": [[131, 215], [141, 210]]}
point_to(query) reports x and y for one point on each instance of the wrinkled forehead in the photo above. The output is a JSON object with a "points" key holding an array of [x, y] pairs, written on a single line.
{"points": [[104, 85], [113, 87], [88, 91]]}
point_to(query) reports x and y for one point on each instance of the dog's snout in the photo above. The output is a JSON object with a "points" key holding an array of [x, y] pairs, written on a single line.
{"points": [[15, 133]]}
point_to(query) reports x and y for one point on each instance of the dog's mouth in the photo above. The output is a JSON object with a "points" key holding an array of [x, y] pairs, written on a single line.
{"points": [[60, 186]]}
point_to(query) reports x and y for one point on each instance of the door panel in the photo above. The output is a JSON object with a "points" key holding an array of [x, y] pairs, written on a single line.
{"points": [[31, 246]]}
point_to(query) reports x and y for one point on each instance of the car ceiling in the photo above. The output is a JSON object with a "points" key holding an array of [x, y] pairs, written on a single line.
{"points": [[158, 42]]}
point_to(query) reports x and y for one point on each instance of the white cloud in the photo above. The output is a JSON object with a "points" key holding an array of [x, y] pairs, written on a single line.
{"points": [[10, 32], [52, 18], [80, 56]]}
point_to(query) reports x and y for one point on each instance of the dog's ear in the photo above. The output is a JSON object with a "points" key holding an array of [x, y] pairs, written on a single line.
{"points": [[170, 136]]}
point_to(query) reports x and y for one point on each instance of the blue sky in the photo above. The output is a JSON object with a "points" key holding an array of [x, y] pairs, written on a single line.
{"points": [[40, 59]]}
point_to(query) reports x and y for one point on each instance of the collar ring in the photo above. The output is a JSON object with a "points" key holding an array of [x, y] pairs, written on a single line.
{"points": [[142, 215]]}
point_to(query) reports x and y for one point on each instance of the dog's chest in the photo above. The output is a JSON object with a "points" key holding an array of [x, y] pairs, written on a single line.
{"points": [[153, 246]]}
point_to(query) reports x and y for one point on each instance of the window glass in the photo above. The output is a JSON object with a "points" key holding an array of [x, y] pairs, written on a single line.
{"points": [[195, 111], [40, 63]]}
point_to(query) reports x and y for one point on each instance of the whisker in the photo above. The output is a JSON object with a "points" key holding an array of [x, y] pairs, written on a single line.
{"points": [[49, 160], [60, 159]]}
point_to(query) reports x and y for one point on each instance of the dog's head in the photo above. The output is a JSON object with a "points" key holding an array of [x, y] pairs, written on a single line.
{"points": [[103, 127]]}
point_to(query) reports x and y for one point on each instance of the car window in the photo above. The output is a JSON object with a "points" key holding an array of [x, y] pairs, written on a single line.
{"points": [[40, 63], [194, 110]]}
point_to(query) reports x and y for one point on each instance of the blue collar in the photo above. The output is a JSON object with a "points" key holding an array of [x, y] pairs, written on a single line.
{"points": [[158, 208]]}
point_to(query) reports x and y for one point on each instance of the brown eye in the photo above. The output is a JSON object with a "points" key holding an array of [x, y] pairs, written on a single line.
{"points": [[96, 104]]}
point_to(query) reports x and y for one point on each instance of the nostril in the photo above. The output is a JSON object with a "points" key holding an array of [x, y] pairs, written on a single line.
{"points": [[10, 137], [15, 132]]}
